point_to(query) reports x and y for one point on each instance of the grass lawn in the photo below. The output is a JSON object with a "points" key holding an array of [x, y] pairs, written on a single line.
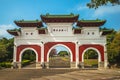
{"points": [[91, 62]]}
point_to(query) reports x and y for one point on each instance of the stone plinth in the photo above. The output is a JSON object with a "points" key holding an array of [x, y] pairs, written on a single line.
{"points": [[38, 65], [73, 64]]}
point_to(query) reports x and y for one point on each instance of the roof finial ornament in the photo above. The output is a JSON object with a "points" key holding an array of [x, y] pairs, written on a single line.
{"points": [[47, 14], [72, 14]]}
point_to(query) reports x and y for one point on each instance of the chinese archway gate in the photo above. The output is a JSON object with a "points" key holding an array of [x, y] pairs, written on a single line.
{"points": [[76, 35]]}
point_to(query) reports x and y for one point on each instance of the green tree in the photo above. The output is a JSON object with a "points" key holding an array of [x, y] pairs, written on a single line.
{"points": [[96, 3], [10, 46], [63, 53], [2, 51], [114, 49], [6, 46], [91, 54], [29, 55], [53, 52]]}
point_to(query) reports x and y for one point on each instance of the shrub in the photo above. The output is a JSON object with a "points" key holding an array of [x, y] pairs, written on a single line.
{"points": [[25, 62], [0, 67], [6, 64]]}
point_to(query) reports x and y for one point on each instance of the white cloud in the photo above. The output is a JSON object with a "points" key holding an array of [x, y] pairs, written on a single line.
{"points": [[105, 10], [80, 7], [3, 30]]}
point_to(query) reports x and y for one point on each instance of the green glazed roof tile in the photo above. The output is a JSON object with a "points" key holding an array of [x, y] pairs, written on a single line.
{"points": [[60, 16], [28, 21], [92, 20]]}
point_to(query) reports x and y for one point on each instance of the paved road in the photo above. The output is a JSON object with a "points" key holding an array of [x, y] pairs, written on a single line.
{"points": [[59, 74], [33, 65]]}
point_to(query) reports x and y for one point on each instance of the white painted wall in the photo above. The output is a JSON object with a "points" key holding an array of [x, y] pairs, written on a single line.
{"points": [[30, 35]]}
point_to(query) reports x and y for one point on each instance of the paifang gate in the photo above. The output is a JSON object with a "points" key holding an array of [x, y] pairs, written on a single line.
{"points": [[34, 35]]}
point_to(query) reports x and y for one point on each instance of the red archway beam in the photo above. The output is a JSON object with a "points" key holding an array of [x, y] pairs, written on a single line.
{"points": [[49, 45], [100, 48], [35, 47]]}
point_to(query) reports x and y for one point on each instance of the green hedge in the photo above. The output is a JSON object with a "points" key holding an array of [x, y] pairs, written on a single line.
{"points": [[6, 64], [25, 62]]}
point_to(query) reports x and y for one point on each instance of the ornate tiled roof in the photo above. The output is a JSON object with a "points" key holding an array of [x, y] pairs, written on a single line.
{"points": [[25, 23], [15, 32], [90, 23], [105, 32], [59, 18]]}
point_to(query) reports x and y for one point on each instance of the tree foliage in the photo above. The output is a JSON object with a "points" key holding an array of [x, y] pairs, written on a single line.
{"points": [[113, 48], [6, 49], [29, 55], [53, 52], [2, 51], [96, 3], [63, 53], [91, 54]]}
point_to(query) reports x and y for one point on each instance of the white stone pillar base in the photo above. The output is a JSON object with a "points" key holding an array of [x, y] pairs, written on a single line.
{"points": [[73, 65], [101, 65], [14, 65], [38, 65], [19, 64], [81, 65], [47, 65]]}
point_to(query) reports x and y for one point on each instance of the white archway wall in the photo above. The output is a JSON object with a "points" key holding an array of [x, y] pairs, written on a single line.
{"points": [[99, 55], [71, 56], [21, 53]]}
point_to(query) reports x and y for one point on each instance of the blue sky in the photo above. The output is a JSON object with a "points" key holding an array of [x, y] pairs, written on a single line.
{"points": [[11, 10], [61, 48]]}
